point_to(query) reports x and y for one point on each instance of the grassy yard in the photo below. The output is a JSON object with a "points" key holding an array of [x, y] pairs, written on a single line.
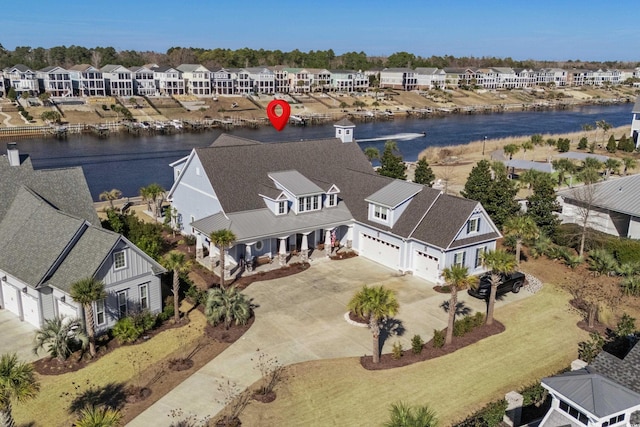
{"points": [[541, 338], [50, 407]]}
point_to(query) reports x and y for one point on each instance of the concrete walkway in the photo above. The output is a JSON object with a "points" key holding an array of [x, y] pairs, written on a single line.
{"points": [[301, 318], [7, 120]]}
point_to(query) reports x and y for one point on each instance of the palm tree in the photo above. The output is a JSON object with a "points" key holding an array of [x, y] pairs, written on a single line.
{"points": [[222, 239], [144, 193], [374, 304], [227, 305], [175, 261], [498, 262], [98, 416], [403, 415], [155, 192], [629, 163], [521, 228], [18, 383], [457, 278], [563, 166], [86, 292], [526, 145], [112, 195], [372, 153], [612, 166], [59, 336]]}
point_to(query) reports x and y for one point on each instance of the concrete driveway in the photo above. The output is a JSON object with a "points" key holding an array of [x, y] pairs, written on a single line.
{"points": [[16, 336], [301, 318]]}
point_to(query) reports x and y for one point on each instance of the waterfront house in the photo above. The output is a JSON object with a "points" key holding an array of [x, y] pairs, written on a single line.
{"points": [[55, 81], [320, 79], [635, 122], [118, 80], [3, 91], [50, 237], [144, 83], [525, 77], [613, 206], [457, 77], [168, 80], [281, 77], [605, 393], [260, 80], [287, 198], [398, 78], [430, 78], [223, 82], [22, 79], [87, 80], [551, 76], [298, 79], [348, 81], [197, 79]]}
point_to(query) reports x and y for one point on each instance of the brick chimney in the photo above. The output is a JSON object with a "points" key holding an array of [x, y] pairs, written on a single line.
{"points": [[13, 154]]}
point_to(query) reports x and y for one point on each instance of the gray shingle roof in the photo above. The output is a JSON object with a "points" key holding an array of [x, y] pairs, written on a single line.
{"points": [[593, 392], [616, 194], [66, 189], [625, 371], [295, 182], [394, 193]]}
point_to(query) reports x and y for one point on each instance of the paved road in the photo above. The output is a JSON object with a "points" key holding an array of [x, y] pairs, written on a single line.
{"points": [[300, 318]]}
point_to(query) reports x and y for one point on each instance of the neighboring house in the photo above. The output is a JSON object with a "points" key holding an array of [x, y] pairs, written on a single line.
{"points": [[197, 79], [118, 80], [168, 80], [615, 207], [283, 197], [603, 394], [555, 76], [22, 79], [320, 79], [525, 77], [87, 80], [222, 82], [281, 77], [50, 237], [398, 78], [635, 122], [430, 78], [262, 80], [144, 83], [299, 80], [55, 81]]}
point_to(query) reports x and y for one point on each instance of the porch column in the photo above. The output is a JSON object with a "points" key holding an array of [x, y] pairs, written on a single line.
{"points": [[212, 261], [304, 247], [350, 236], [199, 247], [282, 253], [247, 253], [327, 242]]}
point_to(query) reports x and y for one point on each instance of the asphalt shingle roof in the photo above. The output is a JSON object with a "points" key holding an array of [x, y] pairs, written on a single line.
{"points": [[624, 371]]}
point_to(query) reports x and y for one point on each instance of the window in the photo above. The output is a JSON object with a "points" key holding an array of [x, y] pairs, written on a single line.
{"points": [[459, 258], [282, 208], [100, 318], [332, 200], [479, 253], [473, 226], [119, 260], [308, 203], [143, 291], [573, 412], [122, 304], [315, 203], [380, 213], [613, 420]]}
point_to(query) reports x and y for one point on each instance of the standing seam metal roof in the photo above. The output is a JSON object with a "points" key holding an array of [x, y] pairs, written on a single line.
{"points": [[296, 183], [615, 194]]}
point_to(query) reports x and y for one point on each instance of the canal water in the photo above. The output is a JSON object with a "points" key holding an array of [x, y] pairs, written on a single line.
{"points": [[128, 162]]}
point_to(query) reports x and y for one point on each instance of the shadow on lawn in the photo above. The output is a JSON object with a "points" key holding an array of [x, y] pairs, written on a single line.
{"points": [[112, 395]]}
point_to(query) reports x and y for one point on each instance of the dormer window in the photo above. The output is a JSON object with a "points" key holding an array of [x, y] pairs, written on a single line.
{"points": [[332, 200], [282, 207], [380, 213]]}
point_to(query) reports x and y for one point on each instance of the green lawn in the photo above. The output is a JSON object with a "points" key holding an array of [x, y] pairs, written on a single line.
{"points": [[49, 408], [541, 338]]}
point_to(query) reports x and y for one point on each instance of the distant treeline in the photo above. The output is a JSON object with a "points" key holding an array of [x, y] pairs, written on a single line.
{"points": [[38, 58]]}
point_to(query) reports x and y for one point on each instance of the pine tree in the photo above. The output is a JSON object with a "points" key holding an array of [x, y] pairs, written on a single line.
{"points": [[611, 145], [542, 204], [478, 182], [392, 165], [582, 145], [501, 201], [424, 174]]}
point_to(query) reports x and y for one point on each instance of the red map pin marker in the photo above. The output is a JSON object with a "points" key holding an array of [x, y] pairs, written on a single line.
{"points": [[278, 122]]}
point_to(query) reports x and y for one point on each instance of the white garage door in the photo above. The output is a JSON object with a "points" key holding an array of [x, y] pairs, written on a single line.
{"points": [[425, 266], [30, 310], [10, 298], [66, 310], [380, 251]]}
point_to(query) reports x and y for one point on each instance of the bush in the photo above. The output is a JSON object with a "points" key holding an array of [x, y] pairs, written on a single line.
{"points": [[168, 310], [630, 285], [478, 319], [144, 320], [533, 395], [490, 416], [396, 351], [582, 145], [569, 235], [588, 350], [416, 344], [195, 295], [624, 250], [438, 338], [126, 331]]}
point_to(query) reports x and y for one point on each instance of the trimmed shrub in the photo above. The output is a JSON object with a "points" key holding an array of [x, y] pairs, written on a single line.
{"points": [[396, 351], [624, 250], [478, 319], [490, 416], [438, 338], [168, 310], [126, 331], [416, 344], [144, 320], [582, 145], [534, 394]]}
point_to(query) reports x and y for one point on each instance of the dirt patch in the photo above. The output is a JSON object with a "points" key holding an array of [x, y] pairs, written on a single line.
{"points": [[429, 351], [180, 364], [343, 255], [265, 398], [221, 334]]}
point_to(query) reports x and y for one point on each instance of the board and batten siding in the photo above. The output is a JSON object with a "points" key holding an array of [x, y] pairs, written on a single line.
{"points": [[194, 196], [485, 226]]}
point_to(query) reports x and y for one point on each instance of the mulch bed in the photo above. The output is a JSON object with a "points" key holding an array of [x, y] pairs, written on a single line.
{"points": [[429, 352], [264, 398], [221, 334], [343, 255], [442, 289]]}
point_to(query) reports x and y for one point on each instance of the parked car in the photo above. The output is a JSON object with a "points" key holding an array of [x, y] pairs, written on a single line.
{"points": [[510, 282]]}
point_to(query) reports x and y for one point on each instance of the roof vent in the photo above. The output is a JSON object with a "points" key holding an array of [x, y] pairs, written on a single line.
{"points": [[13, 154]]}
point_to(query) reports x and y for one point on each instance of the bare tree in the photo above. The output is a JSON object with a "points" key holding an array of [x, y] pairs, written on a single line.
{"points": [[590, 295]]}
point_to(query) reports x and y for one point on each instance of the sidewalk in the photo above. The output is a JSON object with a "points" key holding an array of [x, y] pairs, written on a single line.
{"points": [[301, 318]]}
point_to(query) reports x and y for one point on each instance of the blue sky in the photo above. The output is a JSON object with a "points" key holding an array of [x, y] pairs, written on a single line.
{"points": [[543, 29]]}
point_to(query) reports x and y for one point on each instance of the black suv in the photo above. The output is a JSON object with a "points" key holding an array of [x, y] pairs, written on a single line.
{"points": [[508, 282]]}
